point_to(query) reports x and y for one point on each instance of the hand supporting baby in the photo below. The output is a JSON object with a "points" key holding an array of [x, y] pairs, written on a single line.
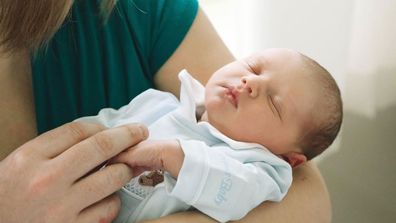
{"points": [[153, 155]]}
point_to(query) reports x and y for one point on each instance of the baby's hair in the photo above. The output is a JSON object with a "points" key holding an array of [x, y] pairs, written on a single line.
{"points": [[324, 127]]}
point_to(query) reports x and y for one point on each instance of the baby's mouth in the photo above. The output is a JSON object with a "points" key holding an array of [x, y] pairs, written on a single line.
{"points": [[232, 95]]}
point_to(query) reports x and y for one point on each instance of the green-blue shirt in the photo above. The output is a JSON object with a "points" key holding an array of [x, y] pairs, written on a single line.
{"points": [[89, 65]]}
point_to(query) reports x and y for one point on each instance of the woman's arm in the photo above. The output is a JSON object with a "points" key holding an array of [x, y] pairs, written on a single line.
{"points": [[201, 53]]}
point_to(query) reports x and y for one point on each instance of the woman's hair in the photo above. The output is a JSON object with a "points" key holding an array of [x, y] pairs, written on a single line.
{"points": [[31, 24]]}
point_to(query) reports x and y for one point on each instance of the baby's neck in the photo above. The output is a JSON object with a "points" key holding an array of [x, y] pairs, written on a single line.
{"points": [[203, 117]]}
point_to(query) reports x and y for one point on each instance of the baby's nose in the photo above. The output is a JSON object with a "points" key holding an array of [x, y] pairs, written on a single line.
{"points": [[250, 86]]}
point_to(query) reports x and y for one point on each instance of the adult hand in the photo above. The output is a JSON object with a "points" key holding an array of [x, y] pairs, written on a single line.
{"points": [[50, 178]]}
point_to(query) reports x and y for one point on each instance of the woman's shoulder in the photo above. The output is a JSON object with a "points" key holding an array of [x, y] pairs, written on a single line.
{"points": [[161, 25]]}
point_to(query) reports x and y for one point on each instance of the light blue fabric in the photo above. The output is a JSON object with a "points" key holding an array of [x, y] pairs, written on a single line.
{"points": [[221, 177]]}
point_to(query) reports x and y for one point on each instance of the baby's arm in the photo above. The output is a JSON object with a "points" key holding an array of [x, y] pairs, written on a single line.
{"points": [[154, 155], [227, 186], [210, 180]]}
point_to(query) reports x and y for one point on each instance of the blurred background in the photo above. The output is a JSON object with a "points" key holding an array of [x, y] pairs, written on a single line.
{"points": [[356, 41]]}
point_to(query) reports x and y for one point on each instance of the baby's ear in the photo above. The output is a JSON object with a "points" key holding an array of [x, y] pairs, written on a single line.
{"points": [[294, 158]]}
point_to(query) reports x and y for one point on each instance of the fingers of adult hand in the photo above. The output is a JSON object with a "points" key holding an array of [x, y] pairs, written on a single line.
{"points": [[100, 184], [103, 211], [94, 150], [56, 141]]}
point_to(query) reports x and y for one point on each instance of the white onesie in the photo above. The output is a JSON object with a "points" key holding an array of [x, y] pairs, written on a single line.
{"points": [[221, 177]]}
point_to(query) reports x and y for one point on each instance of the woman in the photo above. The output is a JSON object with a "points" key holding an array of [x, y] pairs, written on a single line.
{"points": [[95, 59]]}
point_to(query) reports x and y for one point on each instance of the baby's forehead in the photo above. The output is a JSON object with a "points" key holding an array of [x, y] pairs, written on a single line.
{"points": [[277, 58], [258, 58]]}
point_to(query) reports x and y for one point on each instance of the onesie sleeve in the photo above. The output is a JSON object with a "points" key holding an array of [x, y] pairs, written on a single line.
{"points": [[224, 187], [146, 108]]}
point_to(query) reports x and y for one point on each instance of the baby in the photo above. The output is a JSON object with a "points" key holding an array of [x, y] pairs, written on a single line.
{"points": [[227, 147]]}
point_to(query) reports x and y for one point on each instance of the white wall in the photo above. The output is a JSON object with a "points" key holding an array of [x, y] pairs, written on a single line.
{"points": [[372, 51]]}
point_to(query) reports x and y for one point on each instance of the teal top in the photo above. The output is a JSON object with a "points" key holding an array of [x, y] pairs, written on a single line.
{"points": [[90, 65]]}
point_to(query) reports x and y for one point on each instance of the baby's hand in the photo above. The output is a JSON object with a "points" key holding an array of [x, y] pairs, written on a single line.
{"points": [[153, 155]]}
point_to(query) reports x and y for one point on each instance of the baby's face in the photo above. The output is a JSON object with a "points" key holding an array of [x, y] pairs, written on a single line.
{"points": [[265, 98]]}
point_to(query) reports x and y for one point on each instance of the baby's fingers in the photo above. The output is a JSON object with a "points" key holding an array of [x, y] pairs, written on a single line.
{"points": [[146, 155]]}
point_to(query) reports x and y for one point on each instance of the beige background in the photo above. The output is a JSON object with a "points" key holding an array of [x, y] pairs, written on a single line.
{"points": [[356, 41]]}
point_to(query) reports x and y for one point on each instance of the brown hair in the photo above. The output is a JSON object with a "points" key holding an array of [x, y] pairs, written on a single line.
{"points": [[326, 123], [30, 24]]}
